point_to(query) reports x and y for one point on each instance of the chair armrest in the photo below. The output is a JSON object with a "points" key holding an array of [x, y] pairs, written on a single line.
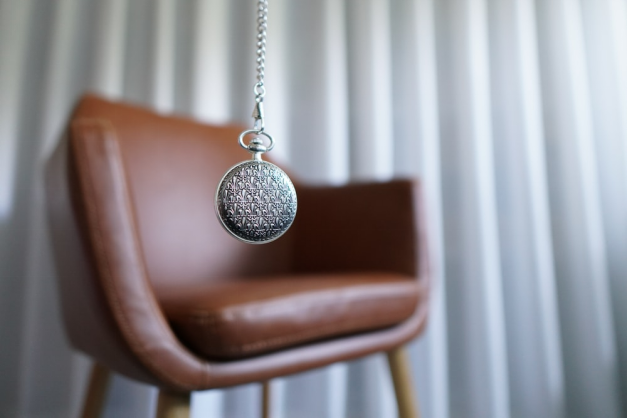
{"points": [[360, 227], [110, 229]]}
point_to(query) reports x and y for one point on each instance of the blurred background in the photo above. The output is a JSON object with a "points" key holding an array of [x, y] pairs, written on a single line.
{"points": [[513, 113]]}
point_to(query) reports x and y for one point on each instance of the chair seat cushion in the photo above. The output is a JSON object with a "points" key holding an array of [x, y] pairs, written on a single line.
{"points": [[245, 317]]}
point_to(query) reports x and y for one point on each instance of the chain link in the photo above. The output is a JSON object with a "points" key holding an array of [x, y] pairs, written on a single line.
{"points": [[262, 27]]}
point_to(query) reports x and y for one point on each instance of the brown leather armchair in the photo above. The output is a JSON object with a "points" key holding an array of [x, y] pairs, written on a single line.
{"points": [[153, 288]]}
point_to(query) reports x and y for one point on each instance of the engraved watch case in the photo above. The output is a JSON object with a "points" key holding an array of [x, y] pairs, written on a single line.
{"points": [[256, 201]]}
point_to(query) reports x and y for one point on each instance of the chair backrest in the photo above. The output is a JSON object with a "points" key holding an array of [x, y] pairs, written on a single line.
{"points": [[172, 168]]}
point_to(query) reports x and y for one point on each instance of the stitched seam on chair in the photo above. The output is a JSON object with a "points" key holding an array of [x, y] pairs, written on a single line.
{"points": [[202, 316], [111, 284], [307, 334]]}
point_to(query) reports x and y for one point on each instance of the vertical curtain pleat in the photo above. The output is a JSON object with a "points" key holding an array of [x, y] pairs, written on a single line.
{"points": [[43, 372], [335, 71], [607, 67], [417, 151], [109, 47], [535, 369], [580, 253], [241, 41], [477, 347], [210, 78], [369, 79], [318, 90], [511, 112], [371, 157], [162, 49], [137, 59], [15, 36], [14, 31]]}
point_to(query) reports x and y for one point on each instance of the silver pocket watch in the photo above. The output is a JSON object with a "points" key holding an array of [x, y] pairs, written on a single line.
{"points": [[255, 200]]}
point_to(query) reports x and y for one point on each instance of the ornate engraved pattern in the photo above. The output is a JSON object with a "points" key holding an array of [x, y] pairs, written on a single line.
{"points": [[256, 201]]}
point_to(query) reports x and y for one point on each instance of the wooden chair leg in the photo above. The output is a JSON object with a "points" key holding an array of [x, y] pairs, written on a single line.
{"points": [[403, 386], [173, 405], [96, 392], [265, 399]]}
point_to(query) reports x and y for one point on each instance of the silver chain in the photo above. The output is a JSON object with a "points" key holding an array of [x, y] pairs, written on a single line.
{"points": [[262, 27]]}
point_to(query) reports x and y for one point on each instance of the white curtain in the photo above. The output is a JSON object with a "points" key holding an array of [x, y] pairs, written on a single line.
{"points": [[513, 112]]}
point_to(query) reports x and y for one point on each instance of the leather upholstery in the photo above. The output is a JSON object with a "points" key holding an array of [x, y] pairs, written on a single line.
{"points": [[131, 212], [237, 318]]}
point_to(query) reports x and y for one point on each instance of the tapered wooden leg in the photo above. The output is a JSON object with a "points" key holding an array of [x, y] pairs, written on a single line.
{"points": [[403, 386], [173, 405], [96, 392], [265, 399]]}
